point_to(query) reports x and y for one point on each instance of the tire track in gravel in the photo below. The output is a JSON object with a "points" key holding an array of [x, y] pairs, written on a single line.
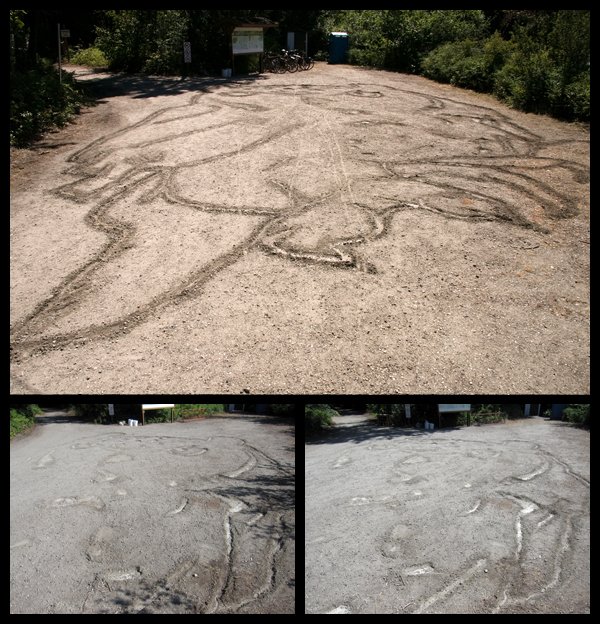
{"points": [[486, 522], [224, 480], [489, 174]]}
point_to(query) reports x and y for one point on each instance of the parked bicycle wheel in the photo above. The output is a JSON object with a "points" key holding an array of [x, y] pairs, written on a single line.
{"points": [[280, 66], [289, 61], [304, 62], [301, 62], [292, 64], [271, 63]]}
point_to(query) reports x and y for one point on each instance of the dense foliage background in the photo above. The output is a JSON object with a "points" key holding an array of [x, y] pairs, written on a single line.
{"points": [[534, 60], [22, 415], [318, 417]]}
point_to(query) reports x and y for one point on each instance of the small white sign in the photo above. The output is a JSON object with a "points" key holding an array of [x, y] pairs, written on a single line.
{"points": [[187, 52], [455, 407], [111, 410], [407, 408], [151, 406]]}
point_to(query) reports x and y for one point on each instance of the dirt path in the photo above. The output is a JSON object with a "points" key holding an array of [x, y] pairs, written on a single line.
{"points": [[192, 517], [338, 230], [490, 519]]}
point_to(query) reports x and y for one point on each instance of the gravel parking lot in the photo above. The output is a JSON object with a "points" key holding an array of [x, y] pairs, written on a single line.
{"points": [[342, 230], [194, 517], [489, 519]]}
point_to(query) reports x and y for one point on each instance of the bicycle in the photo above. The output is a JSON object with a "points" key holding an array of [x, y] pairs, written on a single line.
{"points": [[286, 61], [289, 61], [272, 64], [280, 63], [304, 62]]}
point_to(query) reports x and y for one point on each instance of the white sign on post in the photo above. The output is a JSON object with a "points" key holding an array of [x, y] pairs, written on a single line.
{"points": [[407, 410], [111, 410], [455, 407], [153, 406], [187, 52], [156, 406]]}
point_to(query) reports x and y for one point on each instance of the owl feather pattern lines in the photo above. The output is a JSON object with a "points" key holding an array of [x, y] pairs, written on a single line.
{"points": [[307, 185]]}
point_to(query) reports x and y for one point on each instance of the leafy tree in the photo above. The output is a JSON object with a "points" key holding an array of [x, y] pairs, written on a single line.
{"points": [[144, 40]]}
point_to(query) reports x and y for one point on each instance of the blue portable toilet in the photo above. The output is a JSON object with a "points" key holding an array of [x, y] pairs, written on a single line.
{"points": [[557, 410], [338, 47]]}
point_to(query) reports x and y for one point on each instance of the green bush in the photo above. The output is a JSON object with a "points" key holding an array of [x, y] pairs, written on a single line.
{"points": [[413, 34], [22, 417], [317, 417], [461, 64], [374, 57], [529, 82], [577, 95], [469, 64], [578, 413], [497, 52], [212, 408], [18, 422], [549, 71], [39, 102], [92, 57]]}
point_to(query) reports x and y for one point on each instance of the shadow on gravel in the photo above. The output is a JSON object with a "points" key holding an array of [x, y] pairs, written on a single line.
{"points": [[368, 430], [140, 86], [280, 421], [53, 416]]}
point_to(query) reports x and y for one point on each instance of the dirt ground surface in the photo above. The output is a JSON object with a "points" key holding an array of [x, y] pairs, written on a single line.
{"points": [[488, 519], [339, 230], [195, 517]]}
